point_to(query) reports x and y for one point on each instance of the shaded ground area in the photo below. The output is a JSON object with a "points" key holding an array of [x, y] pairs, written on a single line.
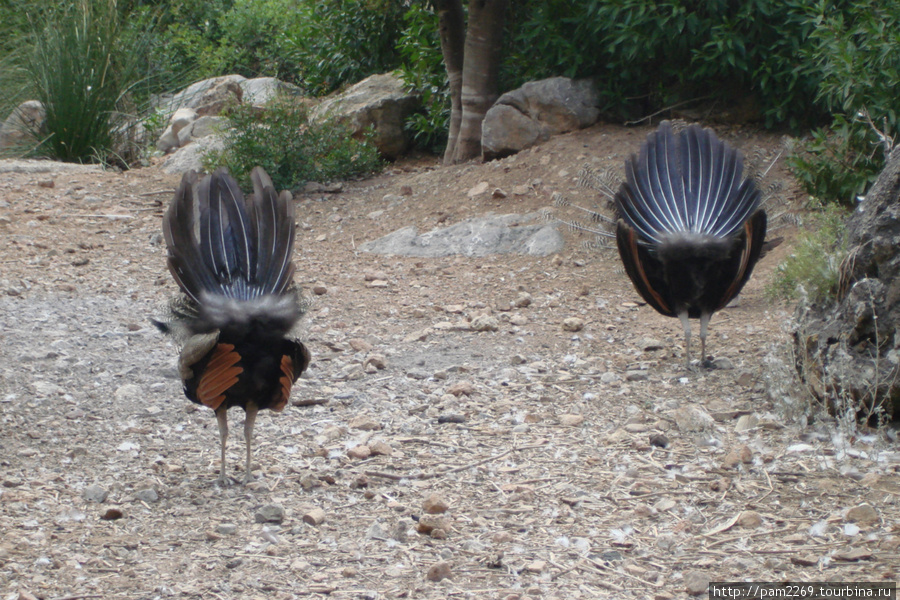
{"points": [[575, 457]]}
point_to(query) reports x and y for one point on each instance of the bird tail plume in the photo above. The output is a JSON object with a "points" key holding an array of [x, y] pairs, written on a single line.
{"points": [[231, 255], [686, 183]]}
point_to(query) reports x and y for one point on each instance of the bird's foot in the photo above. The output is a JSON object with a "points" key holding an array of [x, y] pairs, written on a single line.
{"points": [[249, 478], [224, 481]]}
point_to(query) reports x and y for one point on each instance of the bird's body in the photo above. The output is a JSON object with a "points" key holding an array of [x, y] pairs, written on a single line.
{"points": [[690, 229], [231, 258]]}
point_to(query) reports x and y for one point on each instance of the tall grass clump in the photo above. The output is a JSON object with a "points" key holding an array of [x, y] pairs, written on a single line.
{"points": [[83, 74], [291, 148]]}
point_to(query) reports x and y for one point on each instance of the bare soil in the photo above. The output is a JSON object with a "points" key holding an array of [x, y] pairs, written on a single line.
{"points": [[573, 464]]}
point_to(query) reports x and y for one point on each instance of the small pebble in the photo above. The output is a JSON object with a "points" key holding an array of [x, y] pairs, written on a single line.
{"points": [[573, 324], [695, 583], [435, 504], [112, 514], [439, 571], [226, 528], [380, 448], [314, 516], [571, 420], [146, 495], [270, 513], [863, 513], [359, 452]]}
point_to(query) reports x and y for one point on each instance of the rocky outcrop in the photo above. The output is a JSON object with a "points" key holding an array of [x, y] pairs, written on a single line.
{"points": [[532, 113], [195, 128], [379, 103], [849, 350]]}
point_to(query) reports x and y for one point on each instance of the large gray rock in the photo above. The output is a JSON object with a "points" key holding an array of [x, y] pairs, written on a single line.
{"points": [[849, 349], [22, 124], [191, 156], [261, 90], [494, 234], [379, 102], [209, 96], [532, 113]]}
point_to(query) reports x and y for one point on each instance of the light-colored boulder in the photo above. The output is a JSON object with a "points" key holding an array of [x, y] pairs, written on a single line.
{"points": [[191, 156], [208, 97], [261, 90], [379, 102], [201, 128], [524, 116]]}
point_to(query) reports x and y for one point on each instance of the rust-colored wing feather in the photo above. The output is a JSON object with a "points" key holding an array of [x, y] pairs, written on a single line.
{"points": [[220, 374]]}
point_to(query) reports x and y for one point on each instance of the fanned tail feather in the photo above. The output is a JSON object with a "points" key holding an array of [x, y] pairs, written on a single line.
{"points": [[231, 256], [686, 183]]}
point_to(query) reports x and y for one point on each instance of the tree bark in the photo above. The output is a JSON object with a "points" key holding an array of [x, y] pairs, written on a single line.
{"points": [[481, 65], [472, 58], [452, 27]]}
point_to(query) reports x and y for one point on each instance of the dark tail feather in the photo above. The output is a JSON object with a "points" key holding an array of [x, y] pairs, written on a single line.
{"points": [[273, 219], [686, 183], [232, 256]]}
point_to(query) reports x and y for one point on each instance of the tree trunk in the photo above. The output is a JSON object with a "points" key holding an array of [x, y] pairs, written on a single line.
{"points": [[452, 28], [473, 83]]}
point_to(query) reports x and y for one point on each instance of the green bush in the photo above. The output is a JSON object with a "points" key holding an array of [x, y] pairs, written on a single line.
{"points": [[648, 55], [215, 37], [423, 72], [813, 268], [857, 55], [291, 149], [84, 75], [344, 41]]}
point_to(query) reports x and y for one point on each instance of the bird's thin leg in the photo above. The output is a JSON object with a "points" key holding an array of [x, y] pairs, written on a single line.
{"points": [[704, 323], [252, 409], [222, 418], [687, 338]]}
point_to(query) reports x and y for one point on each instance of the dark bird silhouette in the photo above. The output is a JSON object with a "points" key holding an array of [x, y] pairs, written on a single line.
{"points": [[689, 228], [231, 258]]}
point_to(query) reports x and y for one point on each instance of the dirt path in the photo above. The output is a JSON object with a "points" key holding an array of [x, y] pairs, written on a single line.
{"points": [[574, 464]]}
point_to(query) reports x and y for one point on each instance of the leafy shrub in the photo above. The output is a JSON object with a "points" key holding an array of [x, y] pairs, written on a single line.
{"points": [[423, 72], [813, 266], [83, 74], [649, 54], [856, 54], [344, 41], [214, 37], [837, 164], [291, 149]]}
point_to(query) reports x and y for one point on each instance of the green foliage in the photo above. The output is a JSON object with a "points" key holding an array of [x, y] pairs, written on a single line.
{"points": [[857, 53], [813, 266], [837, 164], [344, 41], [649, 54], [423, 72], [83, 74], [290, 148], [215, 37]]}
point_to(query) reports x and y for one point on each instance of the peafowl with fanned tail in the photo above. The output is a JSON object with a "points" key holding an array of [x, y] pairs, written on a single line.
{"points": [[232, 259], [688, 224], [689, 229]]}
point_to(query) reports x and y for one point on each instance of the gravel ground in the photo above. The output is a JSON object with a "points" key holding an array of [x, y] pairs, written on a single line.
{"points": [[503, 427]]}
